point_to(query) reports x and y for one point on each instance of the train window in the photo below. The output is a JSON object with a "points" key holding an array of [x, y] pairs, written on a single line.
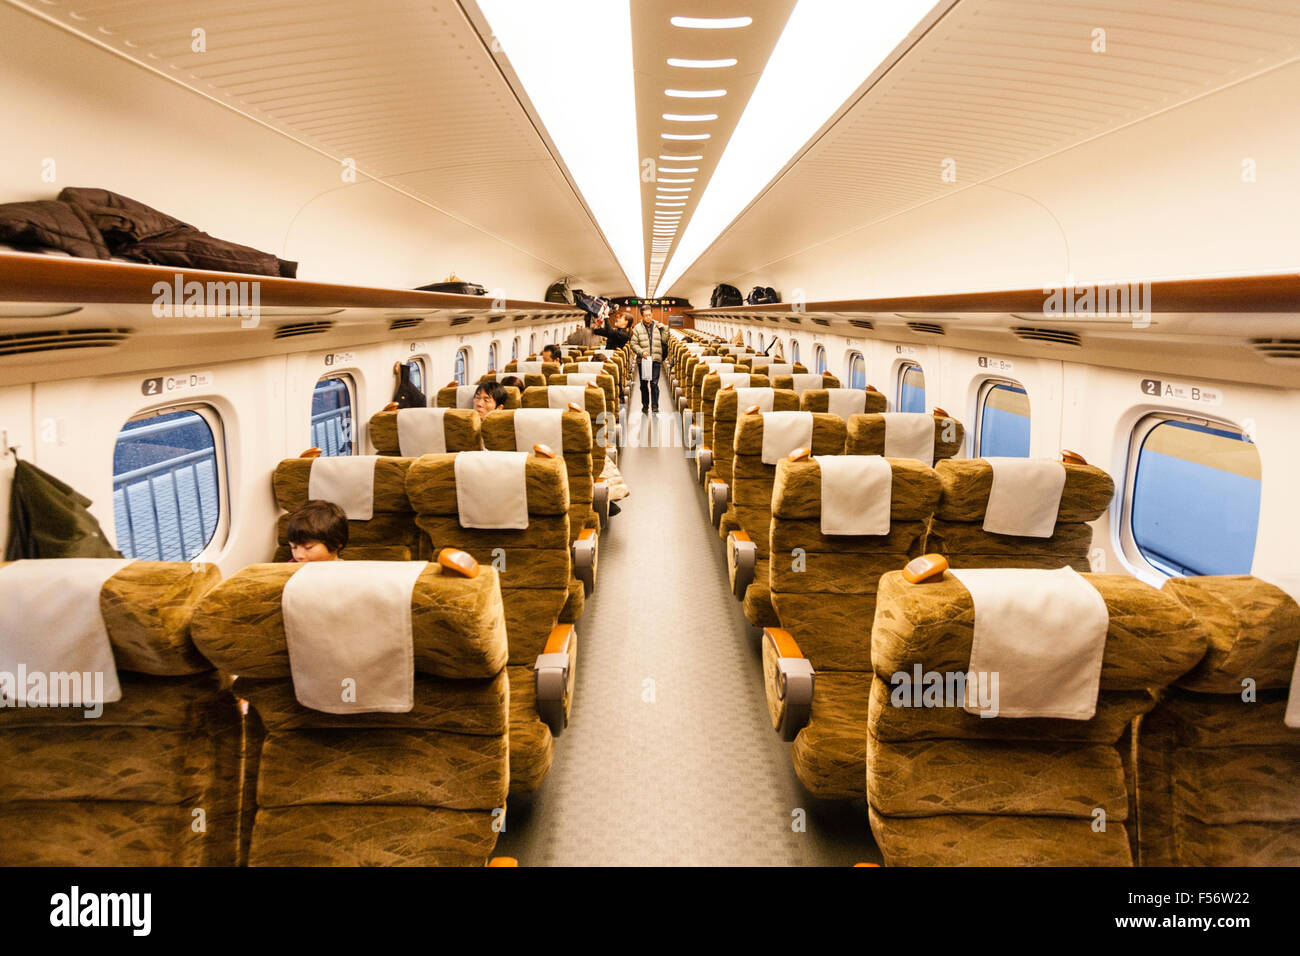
{"points": [[417, 372], [532, 343], [819, 359], [492, 357], [1194, 493], [857, 370], [749, 339], [462, 366], [167, 484], [911, 388], [1002, 420], [331, 416], [514, 349], [794, 350]]}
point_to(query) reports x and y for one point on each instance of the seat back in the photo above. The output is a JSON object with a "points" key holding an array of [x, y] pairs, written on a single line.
{"points": [[604, 382], [462, 396], [587, 366], [499, 434], [805, 382], [1218, 767], [602, 422], [726, 409], [460, 432], [390, 534], [532, 366], [763, 365], [957, 531], [948, 787], [710, 386], [867, 434], [533, 563], [698, 373], [847, 402], [153, 780], [824, 585], [378, 788]]}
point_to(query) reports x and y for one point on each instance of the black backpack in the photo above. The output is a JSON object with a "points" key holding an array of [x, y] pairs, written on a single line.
{"points": [[763, 295], [559, 292], [407, 395], [724, 295]]}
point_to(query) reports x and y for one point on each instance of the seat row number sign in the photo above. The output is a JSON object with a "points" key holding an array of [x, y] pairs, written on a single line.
{"points": [[176, 382], [1162, 388]]}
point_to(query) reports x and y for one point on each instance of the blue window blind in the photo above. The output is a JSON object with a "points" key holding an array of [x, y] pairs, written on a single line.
{"points": [[911, 389], [417, 373], [1196, 499], [794, 351], [462, 371], [857, 371], [821, 360], [1004, 422], [165, 497], [331, 417]]}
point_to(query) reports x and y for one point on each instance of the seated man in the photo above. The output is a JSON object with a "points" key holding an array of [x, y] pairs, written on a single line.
{"points": [[551, 353], [317, 531], [513, 381], [488, 397]]}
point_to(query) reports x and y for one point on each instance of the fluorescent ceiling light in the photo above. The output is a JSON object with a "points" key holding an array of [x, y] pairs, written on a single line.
{"points": [[570, 105], [664, 179], [684, 135], [695, 94], [702, 64], [711, 23], [680, 169], [674, 189], [679, 159], [690, 117], [826, 51]]}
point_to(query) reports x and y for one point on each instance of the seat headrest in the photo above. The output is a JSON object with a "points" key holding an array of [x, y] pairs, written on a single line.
{"points": [[866, 434], [431, 485], [726, 406], [827, 432], [966, 483], [291, 483], [797, 493], [460, 430], [499, 431]]}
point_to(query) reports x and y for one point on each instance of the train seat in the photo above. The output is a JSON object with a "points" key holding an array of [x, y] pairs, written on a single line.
{"points": [[532, 366], [762, 365], [533, 562], [823, 589], [753, 475], [844, 402], [351, 776], [381, 522], [949, 787], [412, 432], [702, 432], [885, 434], [728, 403], [805, 382], [462, 396], [154, 779], [960, 527], [1218, 766], [568, 434], [589, 399]]}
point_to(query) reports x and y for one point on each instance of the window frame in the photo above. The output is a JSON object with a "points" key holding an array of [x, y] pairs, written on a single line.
{"points": [[855, 356], [899, 374], [462, 359], [986, 386], [421, 361], [494, 357], [1129, 551], [794, 350], [212, 418], [514, 349], [821, 362], [350, 383]]}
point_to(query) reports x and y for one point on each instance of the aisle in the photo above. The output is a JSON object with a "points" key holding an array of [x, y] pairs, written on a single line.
{"points": [[670, 758]]}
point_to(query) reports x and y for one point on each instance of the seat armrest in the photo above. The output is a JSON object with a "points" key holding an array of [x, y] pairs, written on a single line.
{"points": [[742, 555], [719, 492], [584, 560], [553, 674], [788, 681], [704, 464], [600, 501]]}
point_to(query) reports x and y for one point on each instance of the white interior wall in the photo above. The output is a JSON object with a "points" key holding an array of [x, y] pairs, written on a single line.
{"points": [[1163, 198], [109, 123]]}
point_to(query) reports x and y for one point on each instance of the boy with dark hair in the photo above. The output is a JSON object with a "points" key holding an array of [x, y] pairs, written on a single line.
{"points": [[550, 353], [488, 397], [317, 531]]}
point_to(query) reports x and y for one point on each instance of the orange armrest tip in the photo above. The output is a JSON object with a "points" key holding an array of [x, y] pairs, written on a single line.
{"points": [[543, 451], [1072, 457], [801, 454], [391, 406], [558, 641], [586, 533], [928, 567], [784, 642], [311, 453], [940, 413], [511, 861], [458, 562], [740, 535]]}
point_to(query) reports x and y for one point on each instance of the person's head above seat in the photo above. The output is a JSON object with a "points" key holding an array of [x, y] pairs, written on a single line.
{"points": [[512, 381], [550, 353], [317, 531], [488, 397]]}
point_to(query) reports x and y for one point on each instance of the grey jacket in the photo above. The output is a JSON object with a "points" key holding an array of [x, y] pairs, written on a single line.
{"points": [[656, 343]]}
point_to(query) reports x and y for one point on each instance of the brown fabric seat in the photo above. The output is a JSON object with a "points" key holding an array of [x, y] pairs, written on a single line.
{"points": [[937, 777], [1219, 776], [462, 396], [338, 789], [154, 780], [711, 389], [830, 753], [460, 431]]}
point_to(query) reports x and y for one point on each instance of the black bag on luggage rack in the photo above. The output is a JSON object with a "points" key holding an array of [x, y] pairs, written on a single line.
{"points": [[454, 287], [763, 295], [559, 292], [724, 295]]}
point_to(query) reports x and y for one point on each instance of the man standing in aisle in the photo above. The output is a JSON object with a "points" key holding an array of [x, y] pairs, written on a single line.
{"points": [[649, 342]]}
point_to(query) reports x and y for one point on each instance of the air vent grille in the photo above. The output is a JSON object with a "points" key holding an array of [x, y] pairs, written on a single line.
{"points": [[1048, 336], [405, 322], [926, 328], [493, 319], [861, 324], [825, 323], [461, 320], [22, 343], [1278, 350], [302, 328], [794, 320]]}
